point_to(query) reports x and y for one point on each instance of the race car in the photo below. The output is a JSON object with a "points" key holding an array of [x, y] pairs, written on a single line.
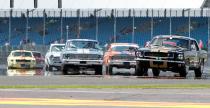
{"points": [[52, 57], [178, 54], [120, 55], [21, 59], [82, 54], [39, 59]]}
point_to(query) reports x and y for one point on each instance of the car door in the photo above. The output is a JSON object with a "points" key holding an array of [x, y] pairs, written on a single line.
{"points": [[194, 51]]}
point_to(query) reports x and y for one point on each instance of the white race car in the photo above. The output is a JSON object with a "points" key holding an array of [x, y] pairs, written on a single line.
{"points": [[52, 57], [82, 54]]}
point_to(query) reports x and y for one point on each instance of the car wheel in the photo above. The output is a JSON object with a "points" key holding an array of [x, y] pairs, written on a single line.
{"points": [[76, 70], [58, 68], [46, 68], [98, 70], [199, 71], [50, 68], [65, 72], [109, 70], [141, 71], [155, 72], [183, 71]]}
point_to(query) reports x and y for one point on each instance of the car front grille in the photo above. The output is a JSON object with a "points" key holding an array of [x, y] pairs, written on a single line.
{"points": [[160, 55], [83, 56], [123, 57], [23, 60], [56, 59]]}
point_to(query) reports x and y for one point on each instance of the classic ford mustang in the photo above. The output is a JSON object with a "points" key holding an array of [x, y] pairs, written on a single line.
{"points": [[82, 54], [171, 53], [21, 59]]}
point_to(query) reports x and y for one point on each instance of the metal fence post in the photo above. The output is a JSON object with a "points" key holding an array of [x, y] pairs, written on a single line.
{"points": [[133, 26]]}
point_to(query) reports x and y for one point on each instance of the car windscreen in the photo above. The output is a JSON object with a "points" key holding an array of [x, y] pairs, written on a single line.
{"points": [[83, 44], [170, 42], [22, 54], [123, 48], [37, 55], [57, 48]]}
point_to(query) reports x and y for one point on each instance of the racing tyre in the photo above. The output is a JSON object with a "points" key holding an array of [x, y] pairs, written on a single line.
{"points": [[65, 71], [183, 71], [199, 71], [50, 68], [141, 71], [46, 68], [98, 70], [155, 72], [110, 70]]}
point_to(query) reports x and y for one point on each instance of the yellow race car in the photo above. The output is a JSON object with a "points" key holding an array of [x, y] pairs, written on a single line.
{"points": [[21, 59]]}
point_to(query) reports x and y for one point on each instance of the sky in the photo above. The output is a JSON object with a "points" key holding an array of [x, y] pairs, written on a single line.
{"points": [[109, 4]]}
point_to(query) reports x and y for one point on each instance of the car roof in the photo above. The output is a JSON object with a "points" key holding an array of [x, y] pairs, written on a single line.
{"points": [[36, 51], [57, 44], [174, 36], [82, 40], [21, 51], [125, 44]]}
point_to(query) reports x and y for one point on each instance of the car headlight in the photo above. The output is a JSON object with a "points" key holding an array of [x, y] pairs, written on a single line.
{"points": [[138, 54], [180, 56], [63, 56], [51, 57], [66, 56], [100, 57]]}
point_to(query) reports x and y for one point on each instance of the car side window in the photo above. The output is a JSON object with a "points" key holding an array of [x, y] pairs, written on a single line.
{"points": [[108, 47], [194, 46]]}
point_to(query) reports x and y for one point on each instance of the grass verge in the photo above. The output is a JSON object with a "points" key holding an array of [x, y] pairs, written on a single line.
{"points": [[147, 86]]}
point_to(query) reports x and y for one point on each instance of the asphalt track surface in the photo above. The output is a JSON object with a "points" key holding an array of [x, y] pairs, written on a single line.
{"points": [[101, 98], [122, 77], [104, 98]]}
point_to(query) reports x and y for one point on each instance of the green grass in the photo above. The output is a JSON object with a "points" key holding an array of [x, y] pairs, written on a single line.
{"points": [[146, 86]]}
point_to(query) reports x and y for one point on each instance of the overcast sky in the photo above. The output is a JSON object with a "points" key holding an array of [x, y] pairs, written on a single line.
{"points": [[75, 4]]}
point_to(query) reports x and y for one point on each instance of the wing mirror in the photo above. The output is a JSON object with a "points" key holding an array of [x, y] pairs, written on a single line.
{"points": [[147, 44]]}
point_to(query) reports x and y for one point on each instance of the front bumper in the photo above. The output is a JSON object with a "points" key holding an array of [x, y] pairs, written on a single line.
{"points": [[56, 64], [160, 64], [22, 65], [121, 63], [82, 62], [39, 64]]}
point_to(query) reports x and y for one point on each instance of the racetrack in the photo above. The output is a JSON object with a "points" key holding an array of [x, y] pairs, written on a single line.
{"points": [[105, 98], [83, 94]]}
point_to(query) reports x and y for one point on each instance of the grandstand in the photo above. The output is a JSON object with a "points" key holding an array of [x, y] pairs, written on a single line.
{"points": [[36, 28], [43, 27]]}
